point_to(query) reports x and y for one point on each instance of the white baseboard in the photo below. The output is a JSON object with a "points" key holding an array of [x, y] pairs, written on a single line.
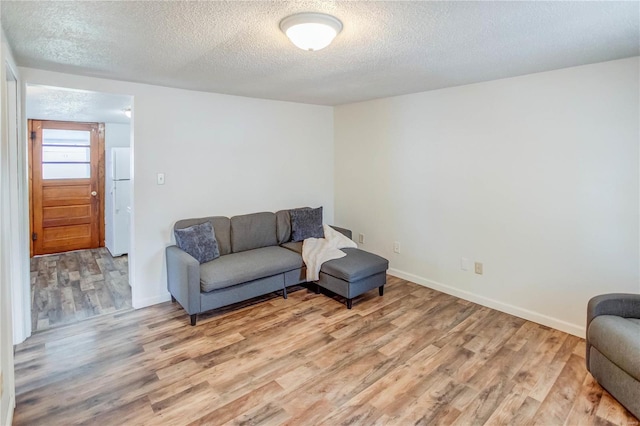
{"points": [[149, 301], [548, 321]]}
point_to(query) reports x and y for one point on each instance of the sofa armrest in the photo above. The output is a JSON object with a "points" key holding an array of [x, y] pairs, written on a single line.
{"points": [[619, 304], [183, 279], [343, 231]]}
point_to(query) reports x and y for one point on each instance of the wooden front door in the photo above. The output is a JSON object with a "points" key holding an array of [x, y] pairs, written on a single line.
{"points": [[67, 186]]}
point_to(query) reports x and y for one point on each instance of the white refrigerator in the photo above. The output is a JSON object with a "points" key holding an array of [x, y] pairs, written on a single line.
{"points": [[118, 202]]}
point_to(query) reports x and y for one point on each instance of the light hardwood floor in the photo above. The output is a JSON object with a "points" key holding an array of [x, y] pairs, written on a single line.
{"points": [[413, 356], [70, 287]]}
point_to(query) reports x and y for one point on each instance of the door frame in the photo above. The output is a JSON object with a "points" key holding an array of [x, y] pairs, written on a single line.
{"points": [[101, 178]]}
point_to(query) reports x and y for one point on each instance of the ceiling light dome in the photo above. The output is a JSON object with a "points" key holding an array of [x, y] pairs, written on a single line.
{"points": [[311, 31]]}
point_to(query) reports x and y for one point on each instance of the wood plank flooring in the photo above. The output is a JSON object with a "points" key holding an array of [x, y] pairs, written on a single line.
{"points": [[70, 287], [414, 356]]}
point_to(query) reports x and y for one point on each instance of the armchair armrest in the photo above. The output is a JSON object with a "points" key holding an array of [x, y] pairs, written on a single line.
{"points": [[183, 279], [619, 304], [343, 231]]}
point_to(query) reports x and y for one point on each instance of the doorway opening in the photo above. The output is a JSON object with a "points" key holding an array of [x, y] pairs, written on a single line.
{"points": [[80, 203]]}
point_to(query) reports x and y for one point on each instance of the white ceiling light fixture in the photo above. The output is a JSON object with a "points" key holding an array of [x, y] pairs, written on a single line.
{"points": [[311, 31]]}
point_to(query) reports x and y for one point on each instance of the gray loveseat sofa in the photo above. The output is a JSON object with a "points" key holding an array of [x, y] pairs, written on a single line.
{"points": [[257, 257], [613, 346]]}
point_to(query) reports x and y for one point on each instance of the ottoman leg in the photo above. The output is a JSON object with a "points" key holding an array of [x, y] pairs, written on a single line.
{"points": [[317, 289], [284, 292], [193, 319], [381, 290], [349, 303]]}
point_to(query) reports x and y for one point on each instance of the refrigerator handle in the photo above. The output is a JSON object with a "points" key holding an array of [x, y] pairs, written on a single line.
{"points": [[114, 198]]}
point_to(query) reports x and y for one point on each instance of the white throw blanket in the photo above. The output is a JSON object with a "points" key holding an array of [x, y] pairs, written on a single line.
{"points": [[316, 251]]}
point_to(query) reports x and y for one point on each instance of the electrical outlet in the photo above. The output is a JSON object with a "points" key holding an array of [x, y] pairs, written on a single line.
{"points": [[478, 268], [396, 247], [361, 238]]}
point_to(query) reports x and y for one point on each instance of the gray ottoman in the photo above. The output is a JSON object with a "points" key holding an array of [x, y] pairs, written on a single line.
{"points": [[356, 273]]}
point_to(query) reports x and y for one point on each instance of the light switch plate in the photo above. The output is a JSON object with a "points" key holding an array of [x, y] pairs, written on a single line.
{"points": [[160, 178]]}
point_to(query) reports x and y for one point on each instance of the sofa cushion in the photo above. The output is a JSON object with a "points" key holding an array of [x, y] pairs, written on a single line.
{"points": [[237, 268], [306, 223], [618, 339], [283, 226], [199, 241], [251, 231], [357, 264], [294, 246], [221, 228]]}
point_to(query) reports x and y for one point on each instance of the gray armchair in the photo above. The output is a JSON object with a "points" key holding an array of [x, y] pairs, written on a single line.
{"points": [[613, 346]]}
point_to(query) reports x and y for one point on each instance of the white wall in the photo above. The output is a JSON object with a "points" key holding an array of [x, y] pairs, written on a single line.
{"points": [[116, 135], [222, 155], [535, 176]]}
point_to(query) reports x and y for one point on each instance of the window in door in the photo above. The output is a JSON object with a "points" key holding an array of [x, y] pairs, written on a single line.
{"points": [[66, 154]]}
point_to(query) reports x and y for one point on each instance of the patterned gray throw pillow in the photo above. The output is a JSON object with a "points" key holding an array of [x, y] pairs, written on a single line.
{"points": [[199, 241], [306, 223]]}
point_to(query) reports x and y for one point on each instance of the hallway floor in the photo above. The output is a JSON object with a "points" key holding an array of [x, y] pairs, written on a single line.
{"points": [[69, 287]]}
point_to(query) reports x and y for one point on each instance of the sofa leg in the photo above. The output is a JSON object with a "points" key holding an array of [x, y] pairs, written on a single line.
{"points": [[317, 289], [173, 299], [284, 292], [193, 319], [381, 290], [349, 303]]}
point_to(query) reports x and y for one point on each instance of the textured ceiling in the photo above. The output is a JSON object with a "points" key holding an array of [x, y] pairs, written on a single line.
{"points": [[54, 103], [386, 48]]}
